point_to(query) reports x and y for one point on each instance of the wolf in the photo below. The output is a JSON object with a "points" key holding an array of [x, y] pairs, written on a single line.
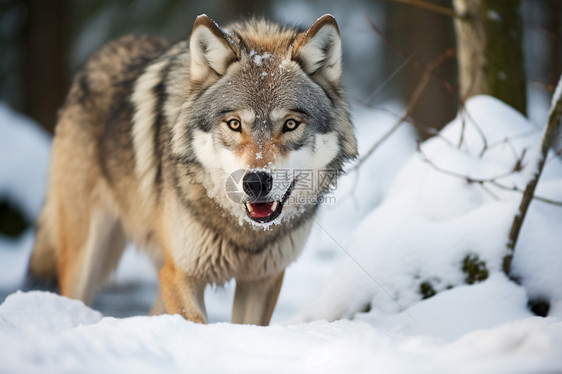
{"points": [[195, 152]]}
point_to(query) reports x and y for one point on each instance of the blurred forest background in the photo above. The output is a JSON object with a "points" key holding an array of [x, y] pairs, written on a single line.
{"points": [[388, 46], [43, 42]]}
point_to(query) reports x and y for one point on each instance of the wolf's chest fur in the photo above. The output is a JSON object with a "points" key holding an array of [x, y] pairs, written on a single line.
{"points": [[150, 137]]}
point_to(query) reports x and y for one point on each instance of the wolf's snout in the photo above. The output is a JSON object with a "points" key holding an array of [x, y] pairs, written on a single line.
{"points": [[257, 185]]}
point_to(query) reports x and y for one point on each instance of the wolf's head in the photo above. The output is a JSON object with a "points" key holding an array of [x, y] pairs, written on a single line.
{"points": [[266, 118]]}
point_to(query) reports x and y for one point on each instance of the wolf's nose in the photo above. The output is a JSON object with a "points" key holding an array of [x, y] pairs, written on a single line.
{"points": [[257, 184]]}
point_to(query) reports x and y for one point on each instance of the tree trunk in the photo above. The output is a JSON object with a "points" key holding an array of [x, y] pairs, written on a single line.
{"points": [[45, 60], [490, 52], [429, 35]]}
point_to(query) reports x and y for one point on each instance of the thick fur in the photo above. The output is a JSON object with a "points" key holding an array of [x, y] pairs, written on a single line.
{"points": [[142, 152]]}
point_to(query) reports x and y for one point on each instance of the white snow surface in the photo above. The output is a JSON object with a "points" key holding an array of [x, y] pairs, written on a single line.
{"points": [[75, 339], [397, 222]]}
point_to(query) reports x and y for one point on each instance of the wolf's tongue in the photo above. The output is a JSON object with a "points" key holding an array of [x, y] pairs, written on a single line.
{"points": [[261, 210]]}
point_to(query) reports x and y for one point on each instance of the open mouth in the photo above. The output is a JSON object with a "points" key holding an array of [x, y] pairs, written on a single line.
{"points": [[267, 211]]}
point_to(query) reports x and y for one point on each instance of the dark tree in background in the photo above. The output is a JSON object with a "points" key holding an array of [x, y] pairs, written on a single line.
{"points": [[45, 50], [553, 11], [490, 50], [428, 35], [542, 21], [43, 41]]}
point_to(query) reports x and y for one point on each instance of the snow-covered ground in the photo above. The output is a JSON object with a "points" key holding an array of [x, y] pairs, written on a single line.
{"points": [[403, 228]]}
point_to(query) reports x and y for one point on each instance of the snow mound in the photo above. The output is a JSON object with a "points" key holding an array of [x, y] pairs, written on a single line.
{"points": [[439, 228], [44, 311], [459, 311]]}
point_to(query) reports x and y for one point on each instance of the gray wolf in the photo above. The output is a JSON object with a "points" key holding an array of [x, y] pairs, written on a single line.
{"points": [[150, 137]]}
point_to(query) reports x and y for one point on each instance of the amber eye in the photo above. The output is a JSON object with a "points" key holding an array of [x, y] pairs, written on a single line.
{"points": [[290, 125], [234, 125]]}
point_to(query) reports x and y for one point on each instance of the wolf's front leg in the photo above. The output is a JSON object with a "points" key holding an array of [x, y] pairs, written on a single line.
{"points": [[182, 294], [254, 301]]}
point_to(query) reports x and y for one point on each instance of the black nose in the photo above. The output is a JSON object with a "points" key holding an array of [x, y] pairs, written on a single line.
{"points": [[257, 185]]}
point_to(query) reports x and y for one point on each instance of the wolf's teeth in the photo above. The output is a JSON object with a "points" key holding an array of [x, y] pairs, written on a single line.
{"points": [[249, 206], [274, 206]]}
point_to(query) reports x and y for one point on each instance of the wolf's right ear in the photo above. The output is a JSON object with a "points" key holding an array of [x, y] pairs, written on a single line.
{"points": [[210, 49]]}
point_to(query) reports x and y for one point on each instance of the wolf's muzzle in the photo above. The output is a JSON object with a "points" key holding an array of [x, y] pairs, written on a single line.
{"points": [[257, 185]]}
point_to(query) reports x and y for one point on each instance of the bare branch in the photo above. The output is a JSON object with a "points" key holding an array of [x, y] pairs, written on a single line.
{"points": [[479, 129], [489, 191], [415, 63], [411, 104], [387, 80], [432, 131], [548, 139], [517, 189], [509, 140], [467, 178], [483, 181]]}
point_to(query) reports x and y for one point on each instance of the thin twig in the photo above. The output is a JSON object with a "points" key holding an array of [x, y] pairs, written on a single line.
{"points": [[415, 63], [488, 191], [479, 130], [503, 141], [517, 189], [432, 131], [387, 80], [467, 178], [411, 104], [482, 181]]}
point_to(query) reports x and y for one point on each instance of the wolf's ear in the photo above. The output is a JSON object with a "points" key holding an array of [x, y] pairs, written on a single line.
{"points": [[318, 50], [210, 49]]}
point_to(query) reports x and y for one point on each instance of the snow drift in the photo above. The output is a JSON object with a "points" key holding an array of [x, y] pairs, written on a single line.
{"points": [[446, 219]]}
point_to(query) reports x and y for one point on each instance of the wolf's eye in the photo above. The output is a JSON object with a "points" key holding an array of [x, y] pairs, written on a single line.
{"points": [[290, 125], [234, 125]]}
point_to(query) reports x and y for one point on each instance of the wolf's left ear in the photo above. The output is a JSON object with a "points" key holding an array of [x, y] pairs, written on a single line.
{"points": [[318, 50], [210, 49]]}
